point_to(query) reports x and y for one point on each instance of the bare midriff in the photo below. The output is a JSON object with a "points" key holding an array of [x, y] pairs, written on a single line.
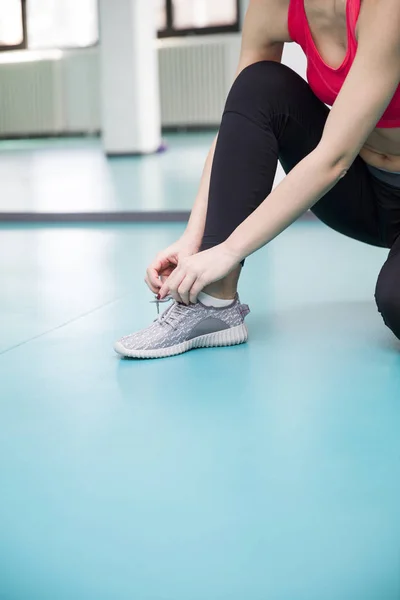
{"points": [[382, 149]]}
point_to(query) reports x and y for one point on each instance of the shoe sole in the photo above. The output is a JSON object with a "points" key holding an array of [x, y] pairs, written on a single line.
{"points": [[228, 337]]}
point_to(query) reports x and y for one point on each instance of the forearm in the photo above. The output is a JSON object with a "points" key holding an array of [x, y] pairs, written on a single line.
{"points": [[309, 181], [197, 221]]}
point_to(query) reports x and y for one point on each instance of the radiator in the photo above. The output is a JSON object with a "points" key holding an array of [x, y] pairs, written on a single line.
{"points": [[195, 76], [49, 93], [30, 97]]}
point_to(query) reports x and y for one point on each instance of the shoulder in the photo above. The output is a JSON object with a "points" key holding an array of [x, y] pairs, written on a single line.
{"points": [[272, 16], [381, 17]]}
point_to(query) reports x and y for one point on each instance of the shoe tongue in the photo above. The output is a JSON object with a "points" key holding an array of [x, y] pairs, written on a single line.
{"points": [[171, 313], [168, 311]]}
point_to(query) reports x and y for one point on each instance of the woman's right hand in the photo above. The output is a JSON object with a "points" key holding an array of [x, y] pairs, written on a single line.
{"points": [[167, 260]]}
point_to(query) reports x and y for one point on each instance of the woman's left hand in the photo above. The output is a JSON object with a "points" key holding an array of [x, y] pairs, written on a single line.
{"points": [[195, 272]]}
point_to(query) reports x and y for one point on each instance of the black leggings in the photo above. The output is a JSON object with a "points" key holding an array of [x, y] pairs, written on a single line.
{"points": [[272, 114]]}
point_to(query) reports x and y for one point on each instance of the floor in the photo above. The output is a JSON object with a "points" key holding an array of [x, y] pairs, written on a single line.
{"points": [[265, 471], [74, 176]]}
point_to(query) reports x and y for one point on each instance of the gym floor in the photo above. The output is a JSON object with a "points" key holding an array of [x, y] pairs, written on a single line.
{"points": [[268, 470]]}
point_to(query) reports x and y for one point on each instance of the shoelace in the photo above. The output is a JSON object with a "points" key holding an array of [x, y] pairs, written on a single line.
{"points": [[173, 315], [158, 302]]}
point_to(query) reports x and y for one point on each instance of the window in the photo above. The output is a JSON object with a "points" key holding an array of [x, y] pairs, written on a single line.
{"points": [[161, 11], [12, 33], [61, 23], [186, 17], [40, 24]]}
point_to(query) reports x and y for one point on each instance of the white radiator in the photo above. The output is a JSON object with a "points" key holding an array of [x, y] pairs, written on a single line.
{"points": [[30, 97], [195, 76], [49, 93]]}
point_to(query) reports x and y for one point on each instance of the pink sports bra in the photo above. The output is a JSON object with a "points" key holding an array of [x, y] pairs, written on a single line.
{"points": [[325, 81]]}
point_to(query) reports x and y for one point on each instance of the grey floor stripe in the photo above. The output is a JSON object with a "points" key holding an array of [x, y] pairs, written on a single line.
{"points": [[95, 217], [105, 217]]}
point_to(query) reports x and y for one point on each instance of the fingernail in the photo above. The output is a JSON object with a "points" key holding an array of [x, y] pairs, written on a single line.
{"points": [[158, 296]]}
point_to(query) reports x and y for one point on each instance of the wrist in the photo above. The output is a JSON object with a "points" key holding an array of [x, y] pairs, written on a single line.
{"points": [[192, 238], [232, 248]]}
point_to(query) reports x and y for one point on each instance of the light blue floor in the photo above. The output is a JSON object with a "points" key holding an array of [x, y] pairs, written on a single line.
{"points": [[73, 175], [266, 471]]}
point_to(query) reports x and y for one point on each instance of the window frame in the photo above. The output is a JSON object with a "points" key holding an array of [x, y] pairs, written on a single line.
{"points": [[170, 31], [23, 44]]}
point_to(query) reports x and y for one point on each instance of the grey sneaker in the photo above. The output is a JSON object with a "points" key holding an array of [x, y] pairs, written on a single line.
{"points": [[181, 328]]}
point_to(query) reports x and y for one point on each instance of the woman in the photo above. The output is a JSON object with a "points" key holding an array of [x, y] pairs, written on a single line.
{"points": [[343, 164]]}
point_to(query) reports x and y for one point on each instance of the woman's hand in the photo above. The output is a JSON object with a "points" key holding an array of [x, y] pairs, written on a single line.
{"points": [[194, 273], [167, 260]]}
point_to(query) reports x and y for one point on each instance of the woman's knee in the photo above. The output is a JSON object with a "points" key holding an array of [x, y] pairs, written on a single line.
{"points": [[387, 296], [262, 85]]}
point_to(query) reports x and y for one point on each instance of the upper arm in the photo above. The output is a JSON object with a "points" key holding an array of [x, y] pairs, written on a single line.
{"points": [[264, 31], [370, 84]]}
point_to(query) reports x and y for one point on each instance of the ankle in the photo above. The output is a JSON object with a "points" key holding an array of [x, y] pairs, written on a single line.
{"points": [[220, 293], [226, 289]]}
